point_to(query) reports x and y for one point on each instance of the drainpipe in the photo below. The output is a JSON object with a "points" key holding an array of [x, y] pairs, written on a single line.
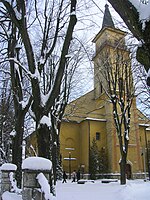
{"points": [[89, 143], [148, 167]]}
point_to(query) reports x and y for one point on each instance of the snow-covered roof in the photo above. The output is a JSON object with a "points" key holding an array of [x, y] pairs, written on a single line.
{"points": [[37, 163]]}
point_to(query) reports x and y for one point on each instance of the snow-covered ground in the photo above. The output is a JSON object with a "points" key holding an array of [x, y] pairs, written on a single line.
{"points": [[133, 190]]}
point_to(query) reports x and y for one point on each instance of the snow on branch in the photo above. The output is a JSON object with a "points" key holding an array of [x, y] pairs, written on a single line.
{"points": [[143, 8], [46, 120], [45, 97], [19, 64], [13, 133], [36, 74], [18, 14], [24, 103], [33, 149]]}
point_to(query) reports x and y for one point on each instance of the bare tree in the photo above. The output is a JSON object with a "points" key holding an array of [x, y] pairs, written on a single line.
{"points": [[11, 67], [6, 121], [52, 23], [115, 77]]}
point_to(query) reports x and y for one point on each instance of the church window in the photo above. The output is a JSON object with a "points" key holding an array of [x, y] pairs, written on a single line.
{"points": [[101, 88], [97, 135]]}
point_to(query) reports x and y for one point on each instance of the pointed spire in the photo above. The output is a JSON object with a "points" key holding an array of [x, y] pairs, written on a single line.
{"points": [[107, 20]]}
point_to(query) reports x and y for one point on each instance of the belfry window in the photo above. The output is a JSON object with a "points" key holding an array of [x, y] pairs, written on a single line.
{"points": [[101, 88], [97, 135]]}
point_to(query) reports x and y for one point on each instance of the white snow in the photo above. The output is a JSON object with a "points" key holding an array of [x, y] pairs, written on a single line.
{"points": [[24, 103], [9, 1], [14, 184], [68, 56], [148, 129], [44, 98], [143, 10], [18, 14], [36, 75], [45, 120], [133, 190], [18, 46], [11, 196], [45, 187], [148, 74], [8, 167], [73, 13], [37, 163], [96, 119], [13, 133]]}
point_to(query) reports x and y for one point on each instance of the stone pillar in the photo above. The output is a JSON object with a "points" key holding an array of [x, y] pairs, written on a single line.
{"points": [[31, 186], [31, 167], [6, 169]]}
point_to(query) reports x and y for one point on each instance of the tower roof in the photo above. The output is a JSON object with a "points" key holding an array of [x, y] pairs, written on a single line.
{"points": [[107, 20]]}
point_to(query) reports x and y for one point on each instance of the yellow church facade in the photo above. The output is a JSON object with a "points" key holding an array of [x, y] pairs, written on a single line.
{"points": [[91, 117], [77, 133]]}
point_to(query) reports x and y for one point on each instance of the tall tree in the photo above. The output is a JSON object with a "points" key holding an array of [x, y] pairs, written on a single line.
{"points": [[14, 74], [117, 82], [44, 65], [6, 121]]}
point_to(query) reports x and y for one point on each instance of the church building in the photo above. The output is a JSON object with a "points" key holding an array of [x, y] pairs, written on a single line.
{"points": [[90, 117]]}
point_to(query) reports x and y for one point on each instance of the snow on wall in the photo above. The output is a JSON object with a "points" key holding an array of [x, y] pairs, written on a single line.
{"points": [[37, 163], [45, 187], [8, 167]]}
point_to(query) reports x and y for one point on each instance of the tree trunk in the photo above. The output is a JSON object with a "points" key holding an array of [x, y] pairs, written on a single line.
{"points": [[123, 170], [54, 147], [46, 149], [43, 141], [54, 161], [17, 149]]}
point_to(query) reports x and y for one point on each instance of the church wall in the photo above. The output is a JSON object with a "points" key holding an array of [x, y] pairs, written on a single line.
{"points": [[144, 141], [135, 139], [98, 127], [31, 145], [84, 145], [110, 35], [69, 144], [111, 137]]}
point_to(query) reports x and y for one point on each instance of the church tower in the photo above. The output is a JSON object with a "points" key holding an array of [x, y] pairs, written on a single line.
{"points": [[111, 56], [110, 44]]}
